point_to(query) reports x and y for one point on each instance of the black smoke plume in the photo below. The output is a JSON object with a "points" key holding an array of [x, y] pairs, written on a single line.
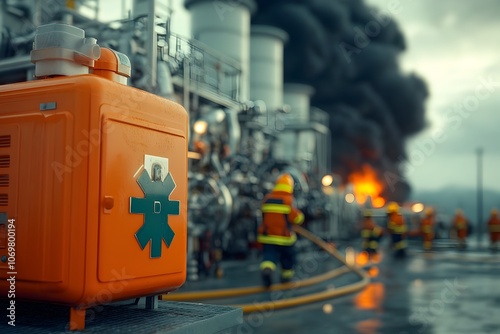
{"points": [[349, 52]]}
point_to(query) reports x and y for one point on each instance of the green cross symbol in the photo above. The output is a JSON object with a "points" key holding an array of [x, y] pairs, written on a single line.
{"points": [[155, 206]]}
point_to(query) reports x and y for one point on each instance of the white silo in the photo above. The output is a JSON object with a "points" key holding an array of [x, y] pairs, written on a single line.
{"points": [[266, 66], [224, 25], [266, 79], [297, 140]]}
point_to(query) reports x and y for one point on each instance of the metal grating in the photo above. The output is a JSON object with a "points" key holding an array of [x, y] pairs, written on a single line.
{"points": [[4, 180], [169, 318], [4, 200], [4, 161], [5, 141]]}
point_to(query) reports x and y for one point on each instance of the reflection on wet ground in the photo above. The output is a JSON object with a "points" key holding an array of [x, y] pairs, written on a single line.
{"points": [[369, 326], [438, 292], [371, 297]]}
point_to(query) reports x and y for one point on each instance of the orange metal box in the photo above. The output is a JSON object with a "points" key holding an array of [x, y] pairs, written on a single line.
{"points": [[93, 191]]}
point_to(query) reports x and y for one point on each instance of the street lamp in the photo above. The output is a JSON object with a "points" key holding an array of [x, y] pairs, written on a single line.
{"points": [[417, 207], [479, 153]]}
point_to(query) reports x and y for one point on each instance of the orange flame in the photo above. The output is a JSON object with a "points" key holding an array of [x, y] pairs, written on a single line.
{"points": [[366, 184]]}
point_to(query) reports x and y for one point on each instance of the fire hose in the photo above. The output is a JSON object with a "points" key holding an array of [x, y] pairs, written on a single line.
{"points": [[287, 302]]}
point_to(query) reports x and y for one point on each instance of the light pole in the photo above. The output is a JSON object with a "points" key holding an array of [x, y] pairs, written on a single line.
{"points": [[479, 153]]}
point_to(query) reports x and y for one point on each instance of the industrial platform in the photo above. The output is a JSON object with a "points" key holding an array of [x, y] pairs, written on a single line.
{"points": [[170, 317]]}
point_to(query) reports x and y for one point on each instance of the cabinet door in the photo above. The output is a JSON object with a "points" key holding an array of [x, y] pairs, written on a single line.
{"points": [[143, 215]]}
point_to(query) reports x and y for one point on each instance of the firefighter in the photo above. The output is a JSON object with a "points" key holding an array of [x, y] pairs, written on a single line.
{"points": [[371, 234], [397, 229], [459, 224], [494, 229], [427, 228], [275, 234]]}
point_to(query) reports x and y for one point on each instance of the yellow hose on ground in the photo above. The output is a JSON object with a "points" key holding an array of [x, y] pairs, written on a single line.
{"points": [[315, 297], [301, 300], [289, 302], [235, 292]]}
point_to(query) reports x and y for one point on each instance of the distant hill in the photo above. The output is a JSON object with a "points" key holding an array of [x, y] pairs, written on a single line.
{"points": [[447, 200]]}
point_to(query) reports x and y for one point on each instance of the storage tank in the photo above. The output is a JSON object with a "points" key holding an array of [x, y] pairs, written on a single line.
{"points": [[224, 25], [297, 140], [266, 79], [266, 67]]}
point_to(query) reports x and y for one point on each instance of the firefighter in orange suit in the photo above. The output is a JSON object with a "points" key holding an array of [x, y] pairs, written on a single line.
{"points": [[397, 229], [459, 224], [494, 229], [371, 234], [427, 228], [275, 234]]}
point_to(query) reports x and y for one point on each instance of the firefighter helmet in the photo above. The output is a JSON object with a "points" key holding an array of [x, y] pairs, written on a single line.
{"points": [[494, 211], [367, 213], [392, 207], [429, 211], [285, 178], [284, 183]]}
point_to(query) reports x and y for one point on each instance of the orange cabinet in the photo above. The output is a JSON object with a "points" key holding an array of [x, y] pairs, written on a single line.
{"points": [[94, 177]]}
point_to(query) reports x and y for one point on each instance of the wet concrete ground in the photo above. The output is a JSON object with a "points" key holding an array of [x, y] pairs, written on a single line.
{"points": [[444, 291]]}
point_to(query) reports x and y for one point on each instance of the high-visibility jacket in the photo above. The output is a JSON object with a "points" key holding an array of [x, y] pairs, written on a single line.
{"points": [[427, 230], [494, 228], [371, 233], [427, 225], [397, 228], [396, 224], [460, 224], [278, 215]]}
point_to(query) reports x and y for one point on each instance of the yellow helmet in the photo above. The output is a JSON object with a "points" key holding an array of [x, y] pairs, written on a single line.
{"points": [[494, 211], [392, 207], [459, 212], [367, 213], [284, 183], [429, 211]]}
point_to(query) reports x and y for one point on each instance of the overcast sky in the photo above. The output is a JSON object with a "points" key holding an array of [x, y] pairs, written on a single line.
{"points": [[455, 46]]}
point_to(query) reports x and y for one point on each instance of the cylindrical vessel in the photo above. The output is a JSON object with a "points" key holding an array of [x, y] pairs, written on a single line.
{"points": [[266, 66], [297, 145], [225, 26], [298, 96]]}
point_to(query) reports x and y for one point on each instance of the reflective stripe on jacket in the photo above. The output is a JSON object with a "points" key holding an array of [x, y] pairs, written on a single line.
{"points": [[427, 225], [460, 223], [396, 224], [494, 224], [278, 213]]}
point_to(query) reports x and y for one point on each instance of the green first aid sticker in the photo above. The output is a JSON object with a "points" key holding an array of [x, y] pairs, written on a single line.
{"points": [[156, 206]]}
